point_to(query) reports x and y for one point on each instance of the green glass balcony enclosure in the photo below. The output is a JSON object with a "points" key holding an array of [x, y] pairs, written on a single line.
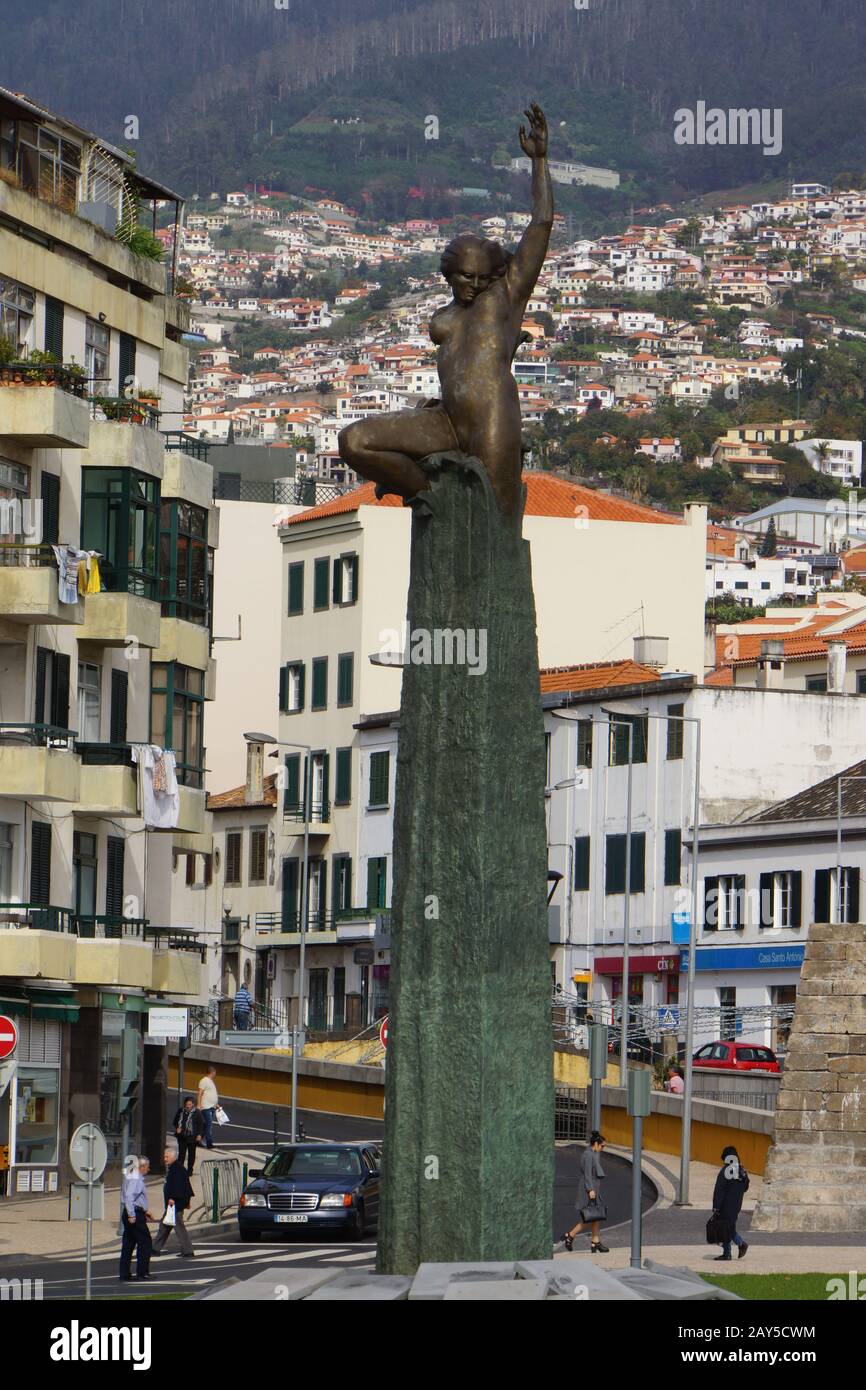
{"points": [[120, 519]]}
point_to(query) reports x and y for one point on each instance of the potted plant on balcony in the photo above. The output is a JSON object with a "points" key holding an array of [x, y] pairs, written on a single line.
{"points": [[37, 358]]}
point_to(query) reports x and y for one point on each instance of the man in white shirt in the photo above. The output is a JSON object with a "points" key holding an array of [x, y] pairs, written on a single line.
{"points": [[207, 1101]]}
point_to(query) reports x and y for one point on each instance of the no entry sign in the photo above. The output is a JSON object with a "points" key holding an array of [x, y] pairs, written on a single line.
{"points": [[8, 1037]]}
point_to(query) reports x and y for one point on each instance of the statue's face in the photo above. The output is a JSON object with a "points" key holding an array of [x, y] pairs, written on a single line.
{"points": [[472, 275]]}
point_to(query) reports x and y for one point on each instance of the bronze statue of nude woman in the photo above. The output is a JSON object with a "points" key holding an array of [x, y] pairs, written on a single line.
{"points": [[477, 335]]}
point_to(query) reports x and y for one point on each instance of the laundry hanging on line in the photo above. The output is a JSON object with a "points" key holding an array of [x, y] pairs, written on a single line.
{"points": [[158, 793]]}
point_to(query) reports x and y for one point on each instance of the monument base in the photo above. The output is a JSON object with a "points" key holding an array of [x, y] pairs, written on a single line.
{"points": [[815, 1179]]}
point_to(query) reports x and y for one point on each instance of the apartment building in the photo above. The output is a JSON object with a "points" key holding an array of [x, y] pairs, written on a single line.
{"points": [[96, 664]]}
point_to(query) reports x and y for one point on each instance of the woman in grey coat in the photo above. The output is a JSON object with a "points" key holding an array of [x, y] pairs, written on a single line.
{"points": [[589, 1194]]}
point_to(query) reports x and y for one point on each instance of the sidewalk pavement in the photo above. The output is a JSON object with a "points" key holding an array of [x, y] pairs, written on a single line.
{"points": [[674, 1235]]}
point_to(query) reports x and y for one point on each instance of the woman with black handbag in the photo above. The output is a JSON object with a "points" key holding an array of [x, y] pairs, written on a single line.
{"points": [[590, 1203], [732, 1184]]}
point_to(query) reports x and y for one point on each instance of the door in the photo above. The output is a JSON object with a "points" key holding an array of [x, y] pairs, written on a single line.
{"points": [[370, 1160], [317, 1004]]}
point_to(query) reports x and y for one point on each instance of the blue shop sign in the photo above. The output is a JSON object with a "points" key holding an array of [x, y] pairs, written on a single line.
{"points": [[745, 958]]}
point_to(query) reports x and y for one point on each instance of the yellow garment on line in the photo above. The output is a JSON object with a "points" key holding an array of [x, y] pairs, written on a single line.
{"points": [[94, 583]]}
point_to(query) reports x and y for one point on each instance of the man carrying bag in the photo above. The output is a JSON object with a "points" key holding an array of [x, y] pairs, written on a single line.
{"points": [[178, 1193]]}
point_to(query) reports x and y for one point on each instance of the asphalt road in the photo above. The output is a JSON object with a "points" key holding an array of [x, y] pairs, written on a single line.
{"points": [[220, 1255]]}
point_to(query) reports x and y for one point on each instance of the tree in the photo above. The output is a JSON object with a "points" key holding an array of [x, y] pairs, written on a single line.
{"points": [[768, 544]]}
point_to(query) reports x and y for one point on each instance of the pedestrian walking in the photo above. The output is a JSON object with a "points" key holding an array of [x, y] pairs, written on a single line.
{"points": [[207, 1101], [675, 1084], [732, 1184], [189, 1128], [178, 1193], [134, 1216], [243, 1007], [590, 1204]]}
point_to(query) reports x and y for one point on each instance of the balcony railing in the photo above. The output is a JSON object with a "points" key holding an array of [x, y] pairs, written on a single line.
{"points": [[105, 754], [109, 928], [170, 939], [177, 441], [320, 812], [38, 736], [36, 917], [285, 923], [23, 555], [66, 378], [124, 410]]}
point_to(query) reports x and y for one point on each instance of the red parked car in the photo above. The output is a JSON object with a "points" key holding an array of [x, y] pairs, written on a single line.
{"points": [[738, 1056]]}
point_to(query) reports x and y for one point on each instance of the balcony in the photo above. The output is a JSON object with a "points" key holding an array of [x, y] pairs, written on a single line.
{"points": [[41, 406], [177, 441], [39, 762], [120, 620], [178, 962], [280, 929], [193, 817], [124, 441], [113, 951], [36, 942], [361, 923], [189, 478], [29, 587], [188, 643], [109, 785], [319, 820]]}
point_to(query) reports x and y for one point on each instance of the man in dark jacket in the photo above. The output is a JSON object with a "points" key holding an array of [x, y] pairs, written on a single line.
{"points": [[178, 1193], [732, 1184], [189, 1128]]}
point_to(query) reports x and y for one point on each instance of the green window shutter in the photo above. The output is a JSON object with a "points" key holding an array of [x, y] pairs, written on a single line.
{"points": [[323, 897], [326, 784], [289, 902], [116, 848], [39, 711], [822, 895], [379, 777], [377, 870], [320, 683], [233, 857], [40, 864], [54, 327], [302, 685], [767, 900], [345, 678], [584, 743], [292, 793], [50, 489], [673, 856], [711, 903], [125, 364], [675, 731], [853, 894], [338, 580], [284, 690], [60, 692], [796, 898], [320, 583], [614, 867], [119, 705], [637, 880], [296, 588], [581, 864], [343, 787], [354, 577]]}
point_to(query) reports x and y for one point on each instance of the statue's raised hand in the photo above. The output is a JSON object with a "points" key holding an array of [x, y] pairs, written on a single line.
{"points": [[535, 143]]}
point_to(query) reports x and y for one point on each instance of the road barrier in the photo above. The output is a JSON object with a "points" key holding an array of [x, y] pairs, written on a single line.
{"points": [[221, 1186]]}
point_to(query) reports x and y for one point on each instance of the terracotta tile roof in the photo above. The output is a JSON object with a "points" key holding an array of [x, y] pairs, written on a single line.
{"points": [[819, 802], [723, 675], [545, 496], [811, 641], [595, 675], [854, 562], [234, 800]]}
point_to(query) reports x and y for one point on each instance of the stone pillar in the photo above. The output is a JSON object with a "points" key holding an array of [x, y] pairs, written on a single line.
{"points": [[468, 1147], [815, 1179]]}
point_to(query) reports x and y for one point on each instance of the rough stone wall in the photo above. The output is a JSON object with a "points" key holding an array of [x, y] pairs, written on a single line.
{"points": [[815, 1178]]}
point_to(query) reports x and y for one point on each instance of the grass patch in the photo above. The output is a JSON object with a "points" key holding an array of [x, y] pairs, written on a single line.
{"points": [[763, 1287]]}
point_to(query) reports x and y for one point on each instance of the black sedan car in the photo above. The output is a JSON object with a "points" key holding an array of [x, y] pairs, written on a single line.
{"points": [[313, 1187]]}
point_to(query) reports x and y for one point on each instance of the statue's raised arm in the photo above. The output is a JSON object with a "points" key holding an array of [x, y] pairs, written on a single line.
{"points": [[528, 259]]}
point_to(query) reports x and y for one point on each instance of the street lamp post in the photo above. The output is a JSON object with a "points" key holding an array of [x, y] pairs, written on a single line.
{"points": [[298, 1025]]}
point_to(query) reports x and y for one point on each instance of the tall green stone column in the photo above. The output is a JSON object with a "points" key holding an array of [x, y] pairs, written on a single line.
{"points": [[468, 1150]]}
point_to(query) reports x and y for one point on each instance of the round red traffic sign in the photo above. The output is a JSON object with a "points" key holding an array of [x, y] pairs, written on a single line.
{"points": [[8, 1037], [383, 1031]]}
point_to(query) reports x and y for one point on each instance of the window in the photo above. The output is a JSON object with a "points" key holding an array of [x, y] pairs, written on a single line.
{"points": [[126, 364], [581, 864], [37, 1115], [50, 489], [673, 856], [377, 883], [290, 899], [89, 693], [52, 688], [727, 1020], [115, 855], [84, 873], [614, 875], [781, 899], [120, 519], [119, 705], [292, 687], [234, 841], [833, 905], [724, 902], [584, 743], [7, 850], [675, 732], [380, 764], [320, 787], [47, 165], [345, 587], [177, 717], [341, 890], [343, 787], [861, 682], [293, 800], [790, 576], [816, 683], [258, 853], [183, 568], [16, 314], [97, 339], [628, 728], [296, 588], [320, 683], [53, 339], [321, 572], [345, 678], [40, 863], [765, 583]]}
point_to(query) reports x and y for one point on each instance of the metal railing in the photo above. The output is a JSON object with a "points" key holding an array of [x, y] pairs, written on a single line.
{"points": [[38, 736], [170, 939], [320, 812], [105, 754], [24, 555], [105, 927], [291, 921], [178, 441], [570, 1113], [123, 410], [37, 917], [66, 378]]}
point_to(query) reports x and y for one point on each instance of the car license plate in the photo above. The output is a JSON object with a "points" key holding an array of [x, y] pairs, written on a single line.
{"points": [[286, 1220]]}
